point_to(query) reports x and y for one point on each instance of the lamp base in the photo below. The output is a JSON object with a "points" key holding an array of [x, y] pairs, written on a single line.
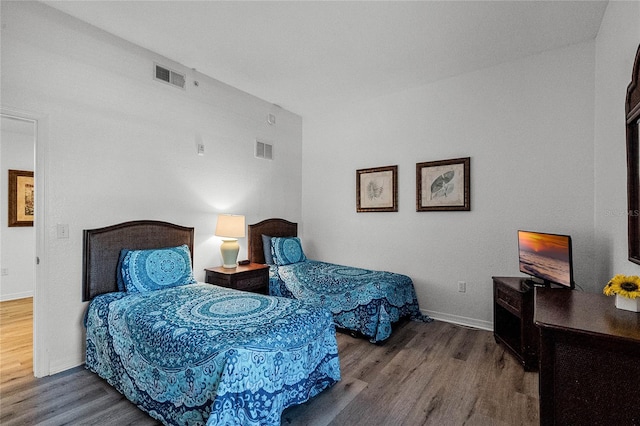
{"points": [[229, 250]]}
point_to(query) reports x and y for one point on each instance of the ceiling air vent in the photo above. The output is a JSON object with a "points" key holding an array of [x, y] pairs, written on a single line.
{"points": [[169, 76], [264, 150]]}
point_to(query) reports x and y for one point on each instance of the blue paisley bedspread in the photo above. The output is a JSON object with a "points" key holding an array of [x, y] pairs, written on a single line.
{"points": [[361, 300], [201, 354]]}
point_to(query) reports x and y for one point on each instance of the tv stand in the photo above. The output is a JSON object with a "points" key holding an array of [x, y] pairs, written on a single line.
{"points": [[513, 319]]}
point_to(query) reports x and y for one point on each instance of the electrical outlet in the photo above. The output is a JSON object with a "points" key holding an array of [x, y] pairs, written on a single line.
{"points": [[62, 230], [462, 286], [201, 149], [5, 271]]}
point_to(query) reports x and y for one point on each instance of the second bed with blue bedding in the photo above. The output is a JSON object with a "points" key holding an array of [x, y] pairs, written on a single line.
{"points": [[361, 300]]}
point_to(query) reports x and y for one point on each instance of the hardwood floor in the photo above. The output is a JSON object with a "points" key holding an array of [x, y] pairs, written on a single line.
{"points": [[16, 340], [425, 374]]}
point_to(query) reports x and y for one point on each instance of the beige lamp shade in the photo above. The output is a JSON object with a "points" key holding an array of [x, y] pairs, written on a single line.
{"points": [[230, 226]]}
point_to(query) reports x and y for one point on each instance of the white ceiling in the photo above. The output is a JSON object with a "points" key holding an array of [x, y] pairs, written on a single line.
{"points": [[309, 55]]}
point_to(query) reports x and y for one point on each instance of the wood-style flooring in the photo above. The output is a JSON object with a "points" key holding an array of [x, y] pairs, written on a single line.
{"points": [[16, 340], [425, 374]]}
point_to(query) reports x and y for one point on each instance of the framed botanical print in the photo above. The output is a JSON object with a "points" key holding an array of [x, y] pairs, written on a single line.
{"points": [[443, 185], [21, 198], [377, 189]]}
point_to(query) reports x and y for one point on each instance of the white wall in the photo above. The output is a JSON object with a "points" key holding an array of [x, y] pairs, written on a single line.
{"points": [[18, 243], [121, 146], [616, 47], [528, 128]]}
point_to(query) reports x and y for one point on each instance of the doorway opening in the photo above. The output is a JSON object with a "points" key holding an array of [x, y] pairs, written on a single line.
{"points": [[18, 141]]}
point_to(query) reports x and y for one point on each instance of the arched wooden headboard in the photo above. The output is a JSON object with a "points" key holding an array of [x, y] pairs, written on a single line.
{"points": [[272, 227], [101, 250]]}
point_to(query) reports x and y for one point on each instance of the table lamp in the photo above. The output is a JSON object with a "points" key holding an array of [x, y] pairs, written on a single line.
{"points": [[230, 227]]}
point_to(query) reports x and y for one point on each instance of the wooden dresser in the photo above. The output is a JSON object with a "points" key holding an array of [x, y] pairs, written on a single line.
{"points": [[589, 359]]}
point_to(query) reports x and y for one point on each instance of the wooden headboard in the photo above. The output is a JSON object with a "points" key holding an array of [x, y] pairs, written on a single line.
{"points": [[271, 227], [101, 250]]}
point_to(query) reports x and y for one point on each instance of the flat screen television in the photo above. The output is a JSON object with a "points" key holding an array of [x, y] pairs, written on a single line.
{"points": [[547, 258]]}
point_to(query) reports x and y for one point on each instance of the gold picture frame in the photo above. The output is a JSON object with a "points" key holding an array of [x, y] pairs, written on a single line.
{"points": [[443, 185], [377, 189], [21, 198]]}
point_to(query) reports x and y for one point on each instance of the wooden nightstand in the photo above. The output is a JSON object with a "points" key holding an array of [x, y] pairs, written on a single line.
{"points": [[253, 277]]}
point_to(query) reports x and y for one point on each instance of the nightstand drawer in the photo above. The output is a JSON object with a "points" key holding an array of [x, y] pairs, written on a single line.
{"points": [[252, 277], [250, 283], [222, 282]]}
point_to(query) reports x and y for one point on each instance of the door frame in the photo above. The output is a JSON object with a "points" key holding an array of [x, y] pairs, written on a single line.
{"points": [[41, 127]]}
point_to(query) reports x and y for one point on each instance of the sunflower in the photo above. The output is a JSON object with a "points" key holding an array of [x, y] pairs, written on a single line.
{"points": [[625, 286]]}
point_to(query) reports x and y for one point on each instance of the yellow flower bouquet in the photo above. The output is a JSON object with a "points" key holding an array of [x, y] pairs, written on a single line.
{"points": [[626, 288]]}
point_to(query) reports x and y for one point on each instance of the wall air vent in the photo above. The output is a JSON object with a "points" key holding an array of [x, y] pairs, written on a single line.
{"points": [[169, 76], [264, 150]]}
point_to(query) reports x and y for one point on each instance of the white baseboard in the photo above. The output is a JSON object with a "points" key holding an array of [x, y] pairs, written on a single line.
{"points": [[16, 296], [59, 367], [465, 321]]}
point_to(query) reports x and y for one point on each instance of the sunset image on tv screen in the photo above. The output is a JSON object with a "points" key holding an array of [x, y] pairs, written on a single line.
{"points": [[545, 256]]}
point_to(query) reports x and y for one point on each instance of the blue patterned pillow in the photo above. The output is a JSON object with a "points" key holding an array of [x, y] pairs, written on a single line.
{"points": [[286, 250], [266, 249], [119, 279], [155, 269]]}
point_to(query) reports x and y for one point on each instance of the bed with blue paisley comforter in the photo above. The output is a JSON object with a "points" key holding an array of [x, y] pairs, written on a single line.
{"points": [[190, 353], [202, 354], [368, 302], [361, 300]]}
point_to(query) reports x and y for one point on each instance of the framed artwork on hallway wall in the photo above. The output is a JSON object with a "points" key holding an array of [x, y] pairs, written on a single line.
{"points": [[21, 198], [377, 189], [443, 185]]}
